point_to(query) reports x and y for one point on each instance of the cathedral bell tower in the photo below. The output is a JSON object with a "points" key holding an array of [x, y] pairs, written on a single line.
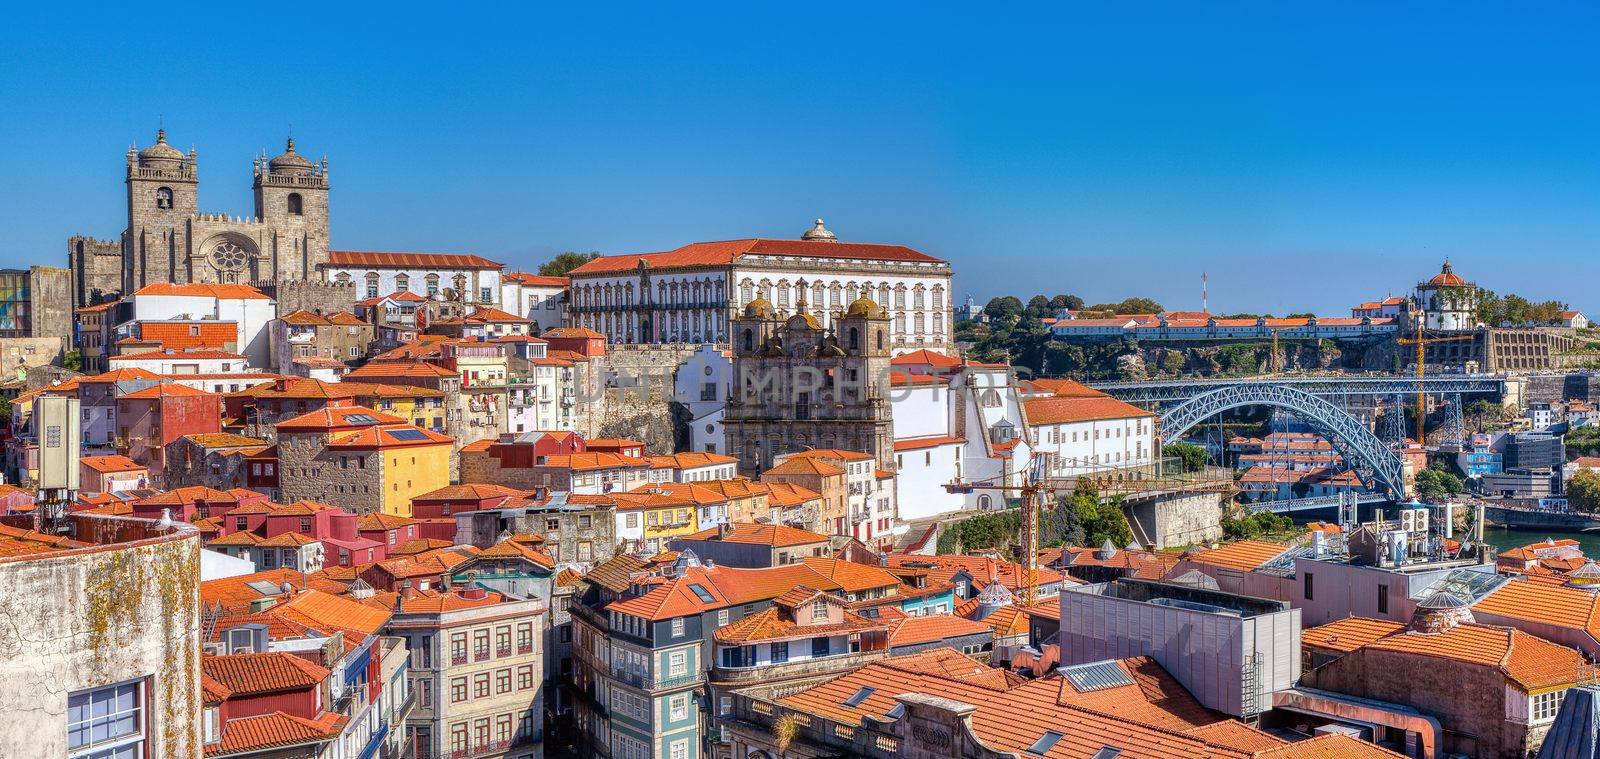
{"points": [[291, 193], [162, 196]]}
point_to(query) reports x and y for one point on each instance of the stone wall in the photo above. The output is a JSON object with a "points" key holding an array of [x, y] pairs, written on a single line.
{"points": [[638, 399], [310, 295], [96, 270], [1555, 388], [1177, 519], [50, 299]]}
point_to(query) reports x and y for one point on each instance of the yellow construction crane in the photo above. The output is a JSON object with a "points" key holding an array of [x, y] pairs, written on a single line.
{"points": [[1422, 341]]}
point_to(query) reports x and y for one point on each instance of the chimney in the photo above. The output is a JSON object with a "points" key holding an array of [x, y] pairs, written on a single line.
{"points": [[724, 530]]}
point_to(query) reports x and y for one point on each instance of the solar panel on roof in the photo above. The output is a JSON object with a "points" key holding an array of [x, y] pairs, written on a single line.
{"points": [[265, 587], [361, 418], [700, 590], [1107, 752], [860, 695], [1096, 676], [408, 434], [1042, 746]]}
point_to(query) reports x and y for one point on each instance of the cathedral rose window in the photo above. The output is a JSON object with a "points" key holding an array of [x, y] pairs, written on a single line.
{"points": [[228, 258]]}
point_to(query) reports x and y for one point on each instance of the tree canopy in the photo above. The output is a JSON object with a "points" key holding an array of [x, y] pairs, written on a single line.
{"points": [[566, 262], [1583, 491]]}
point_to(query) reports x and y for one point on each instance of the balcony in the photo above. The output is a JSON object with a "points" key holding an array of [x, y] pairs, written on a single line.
{"points": [[492, 747], [526, 648], [457, 659], [502, 652], [767, 673], [483, 655]]}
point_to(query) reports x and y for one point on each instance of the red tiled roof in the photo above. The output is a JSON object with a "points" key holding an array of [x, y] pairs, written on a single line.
{"points": [[329, 418], [169, 390], [275, 730], [229, 292], [706, 254], [754, 533], [926, 357], [911, 631], [110, 463], [198, 355], [415, 260], [268, 672], [1067, 409], [919, 443]]}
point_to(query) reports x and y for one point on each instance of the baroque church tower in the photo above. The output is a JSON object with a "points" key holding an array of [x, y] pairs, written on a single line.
{"points": [[799, 385]]}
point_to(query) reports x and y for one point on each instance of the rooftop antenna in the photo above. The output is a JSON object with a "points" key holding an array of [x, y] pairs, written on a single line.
{"points": [[1205, 280]]}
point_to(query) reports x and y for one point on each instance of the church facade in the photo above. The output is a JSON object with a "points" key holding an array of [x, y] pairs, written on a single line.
{"points": [[168, 238], [797, 383]]}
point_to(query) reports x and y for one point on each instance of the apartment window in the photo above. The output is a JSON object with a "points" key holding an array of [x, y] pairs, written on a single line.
{"points": [[677, 627], [819, 609], [1309, 578], [502, 640], [480, 685], [1383, 599], [241, 523], [678, 707], [107, 723], [524, 638], [1544, 706], [524, 677], [679, 750], [213, 725], [677, 664], [722, 617], [458, 690], [502, 681], [480, 645], [780, 652], [458, 648]]}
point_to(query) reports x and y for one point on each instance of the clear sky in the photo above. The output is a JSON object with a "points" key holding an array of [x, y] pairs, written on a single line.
{"points": [[1307, 156]]}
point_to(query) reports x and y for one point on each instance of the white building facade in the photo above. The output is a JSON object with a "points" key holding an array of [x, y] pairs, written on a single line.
{"points": [[688, 295], [539, 299], [474, 279], [246, 306]]}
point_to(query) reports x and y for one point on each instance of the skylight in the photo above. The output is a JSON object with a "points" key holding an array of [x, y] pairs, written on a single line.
{"points": [[1107, 752], [408, 435], [700, 590], [897, 712], [1096, 676], [1042, 746], [861, 695], [361, 419]]}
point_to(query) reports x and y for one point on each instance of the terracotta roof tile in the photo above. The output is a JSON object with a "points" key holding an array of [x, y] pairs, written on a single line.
{"points": [[1531, 662], [410, 260], [242, 735], [755, 533], [268, 672], [909, 631], [724, 253], [1349, 634]]}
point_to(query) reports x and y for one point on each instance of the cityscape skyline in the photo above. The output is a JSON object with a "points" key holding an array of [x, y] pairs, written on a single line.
{"points": [[1321, 141]]}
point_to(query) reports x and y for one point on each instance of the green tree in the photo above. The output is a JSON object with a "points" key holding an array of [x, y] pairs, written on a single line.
{"points": [[1005, 308], [566, 262], [1191, 456], [1039, 307], [1583, 491], [1069, 302], [1437, 484], [72, 361], [1482, 409]]}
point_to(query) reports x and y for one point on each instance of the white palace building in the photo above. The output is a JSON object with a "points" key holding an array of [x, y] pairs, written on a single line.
{"points": [[689, 294]]}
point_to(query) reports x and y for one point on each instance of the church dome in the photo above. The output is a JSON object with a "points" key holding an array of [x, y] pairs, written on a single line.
{"points": [[1440, 611], [290, 162], [819, 233], [803, 321], [862, 308], [160, 155], [759, 308], [1447, 278]]}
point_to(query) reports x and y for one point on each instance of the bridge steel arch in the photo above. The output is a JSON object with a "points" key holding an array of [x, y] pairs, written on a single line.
{"points": [[1378, 466]]}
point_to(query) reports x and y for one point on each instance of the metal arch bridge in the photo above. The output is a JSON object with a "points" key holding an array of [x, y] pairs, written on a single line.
{"points": [[1378, 466], [1169, 391]]}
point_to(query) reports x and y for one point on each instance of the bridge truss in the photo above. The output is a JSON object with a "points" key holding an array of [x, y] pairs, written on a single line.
{"points": [[1376, 464], [1170, 391]]}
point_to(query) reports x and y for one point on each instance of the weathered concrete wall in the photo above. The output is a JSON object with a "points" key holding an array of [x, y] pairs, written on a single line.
{"points": [[1178, 519], [50, 298], [92, 617]]}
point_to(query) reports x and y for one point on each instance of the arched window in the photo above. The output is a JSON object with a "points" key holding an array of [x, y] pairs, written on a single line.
{"points": [[343, 278], [984, 501], [163, 197], [749, 341], [295, 205], [372, 284], [855, 338], [402, 283], [432, 281]]}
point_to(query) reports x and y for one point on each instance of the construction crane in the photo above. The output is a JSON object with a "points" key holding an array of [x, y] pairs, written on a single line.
{"points": [[1422, 341], [1035, 488]]}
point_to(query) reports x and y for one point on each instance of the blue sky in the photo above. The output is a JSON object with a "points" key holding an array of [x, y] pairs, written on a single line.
{"points": [[1307, 156]]}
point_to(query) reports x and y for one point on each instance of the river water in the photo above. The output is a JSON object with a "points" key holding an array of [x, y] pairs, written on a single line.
{"points": [[1503, 539]]}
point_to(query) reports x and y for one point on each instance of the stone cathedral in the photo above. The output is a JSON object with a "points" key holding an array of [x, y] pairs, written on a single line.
{"points": [[169, 239]]}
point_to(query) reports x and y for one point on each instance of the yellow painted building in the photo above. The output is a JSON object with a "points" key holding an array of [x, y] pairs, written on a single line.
{"points": [[662, 516]]}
